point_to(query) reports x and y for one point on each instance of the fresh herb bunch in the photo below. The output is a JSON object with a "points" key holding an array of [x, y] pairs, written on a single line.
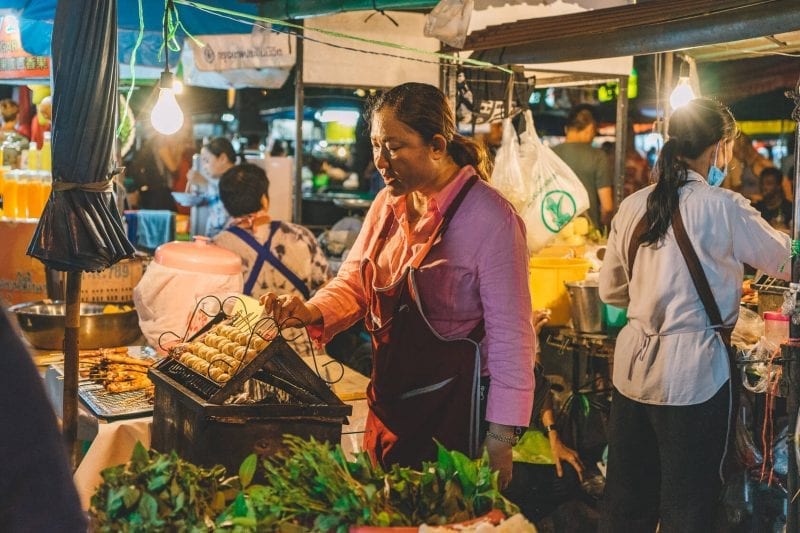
{"points": [[314, 486], [158, 492]]}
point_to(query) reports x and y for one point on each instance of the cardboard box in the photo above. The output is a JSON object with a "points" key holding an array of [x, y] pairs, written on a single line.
{"points": [[22, 278], [25, 279]]}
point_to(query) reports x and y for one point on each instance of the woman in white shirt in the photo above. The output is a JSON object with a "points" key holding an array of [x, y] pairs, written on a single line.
{"points": [[671, 406]]}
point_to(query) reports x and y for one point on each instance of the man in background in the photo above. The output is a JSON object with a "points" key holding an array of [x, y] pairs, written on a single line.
{"points": [[773, 206], [589, 164]]}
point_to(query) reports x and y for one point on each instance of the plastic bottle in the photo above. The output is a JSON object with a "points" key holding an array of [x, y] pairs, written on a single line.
{"points": [[45, 154], [34, 195], [2, 184], [10, 193], [46, 187], [22, 194]]}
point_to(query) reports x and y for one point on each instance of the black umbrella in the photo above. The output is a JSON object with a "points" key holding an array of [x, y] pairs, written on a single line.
{"points": [[80, 229]]}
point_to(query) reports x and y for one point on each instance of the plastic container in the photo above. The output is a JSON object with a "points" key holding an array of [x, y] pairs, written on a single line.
{"points": [[547, 279], [198, 256], [614, 317], [776, 328]]}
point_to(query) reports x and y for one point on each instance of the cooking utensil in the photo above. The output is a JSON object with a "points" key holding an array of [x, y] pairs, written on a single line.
{"points": [[42, 324], [586, 308]]}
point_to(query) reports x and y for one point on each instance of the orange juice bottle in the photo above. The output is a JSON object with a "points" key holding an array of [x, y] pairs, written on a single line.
{"points": [[22, 194], [10, 190], [34, 195], [2, 183], [46, 187]]}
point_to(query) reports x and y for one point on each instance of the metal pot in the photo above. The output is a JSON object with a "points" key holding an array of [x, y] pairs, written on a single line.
{"points": [[42, 323], [586, 308]]}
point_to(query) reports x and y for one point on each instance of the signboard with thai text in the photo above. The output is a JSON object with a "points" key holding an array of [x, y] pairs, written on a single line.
{"points": [[262, 48], [16, 63]]}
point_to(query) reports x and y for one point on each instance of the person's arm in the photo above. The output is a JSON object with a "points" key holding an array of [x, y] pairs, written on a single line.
{"points": [[606, 198], [509, 341], [758, 244], [614, 272], [341, 302], [558, 449]]}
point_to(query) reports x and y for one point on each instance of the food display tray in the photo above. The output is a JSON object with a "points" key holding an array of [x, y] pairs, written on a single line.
{"points": [[114, 405]]}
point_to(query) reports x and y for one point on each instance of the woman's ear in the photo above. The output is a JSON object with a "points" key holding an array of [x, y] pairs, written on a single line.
{"points": [[438, 146], [264, 202]]}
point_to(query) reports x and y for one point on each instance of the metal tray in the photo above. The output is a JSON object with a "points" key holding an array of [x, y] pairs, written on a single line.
{"points": [[114, 405]]}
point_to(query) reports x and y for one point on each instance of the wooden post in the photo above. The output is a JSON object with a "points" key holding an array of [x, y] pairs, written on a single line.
{"points": [[70, 399]]}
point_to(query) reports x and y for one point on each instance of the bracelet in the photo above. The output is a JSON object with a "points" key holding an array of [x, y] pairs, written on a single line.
{"points": [[550, 427], [512, 440]]}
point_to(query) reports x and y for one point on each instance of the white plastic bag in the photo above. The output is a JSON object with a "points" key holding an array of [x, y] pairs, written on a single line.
{"points": [[507, 173], [556, 195], [449, 22]]}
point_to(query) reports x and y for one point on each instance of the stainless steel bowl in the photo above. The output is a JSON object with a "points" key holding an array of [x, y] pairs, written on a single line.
{"points": [[42, 323]]}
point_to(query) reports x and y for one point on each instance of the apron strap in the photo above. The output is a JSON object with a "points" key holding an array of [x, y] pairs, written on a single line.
{"points": [[266, 255], [441, 229]]}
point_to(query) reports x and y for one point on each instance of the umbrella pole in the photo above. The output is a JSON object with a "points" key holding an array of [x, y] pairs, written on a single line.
{"points": [[70, 406]]}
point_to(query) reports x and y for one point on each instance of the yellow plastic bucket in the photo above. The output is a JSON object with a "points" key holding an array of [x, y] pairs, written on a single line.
{"points": [[547, 278]]}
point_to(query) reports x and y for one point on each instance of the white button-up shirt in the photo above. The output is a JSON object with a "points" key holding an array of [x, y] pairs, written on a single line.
{"points": [[668, 353]]}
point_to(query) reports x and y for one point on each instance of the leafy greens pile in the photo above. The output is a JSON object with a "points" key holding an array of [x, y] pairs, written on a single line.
{"points": [[309, 487]]}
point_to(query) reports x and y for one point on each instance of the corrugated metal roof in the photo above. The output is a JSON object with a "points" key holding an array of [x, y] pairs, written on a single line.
{"points": [[644, 28]]}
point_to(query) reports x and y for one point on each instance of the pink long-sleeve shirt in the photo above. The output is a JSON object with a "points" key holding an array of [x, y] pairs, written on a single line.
{"points": [[478, 270]]}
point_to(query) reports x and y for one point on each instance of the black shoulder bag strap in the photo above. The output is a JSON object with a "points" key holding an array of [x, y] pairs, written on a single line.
{"points": [[699, 278]]}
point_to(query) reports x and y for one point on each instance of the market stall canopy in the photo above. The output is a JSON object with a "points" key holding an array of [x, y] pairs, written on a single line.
{"points": [[646, 27], [453, 26], [80, 229]]}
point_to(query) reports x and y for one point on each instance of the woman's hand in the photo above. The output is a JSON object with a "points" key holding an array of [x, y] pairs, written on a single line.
{"points": [[563, 453], [290, 310], [540, 319], [500, 457]]}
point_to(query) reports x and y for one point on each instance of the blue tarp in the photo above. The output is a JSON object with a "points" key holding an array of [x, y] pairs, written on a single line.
{"points": [[36, 25]]}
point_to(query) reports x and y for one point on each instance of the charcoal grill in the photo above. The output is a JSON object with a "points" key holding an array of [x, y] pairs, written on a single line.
{"points": [[194, 416]]}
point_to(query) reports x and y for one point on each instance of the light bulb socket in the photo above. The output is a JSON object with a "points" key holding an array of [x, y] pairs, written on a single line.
{"points": [[167, 80], [684, 70]]}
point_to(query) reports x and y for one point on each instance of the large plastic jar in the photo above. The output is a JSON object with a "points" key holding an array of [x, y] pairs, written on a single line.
{"points": [[776, 328]]}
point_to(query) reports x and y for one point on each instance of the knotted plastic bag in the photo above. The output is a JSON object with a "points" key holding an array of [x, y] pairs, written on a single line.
{"points": [[449, 22], [507, 173], [555, 194]]}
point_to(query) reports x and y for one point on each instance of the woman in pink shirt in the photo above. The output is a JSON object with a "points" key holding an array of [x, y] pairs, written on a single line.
{"points": [[439, 272]]}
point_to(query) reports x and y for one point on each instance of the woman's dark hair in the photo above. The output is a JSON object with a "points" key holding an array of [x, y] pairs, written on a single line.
{"points": [[424, 109], [241, 188], [221, 145], [692, 128]]}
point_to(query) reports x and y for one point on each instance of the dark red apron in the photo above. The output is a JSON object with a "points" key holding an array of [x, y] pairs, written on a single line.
{"points": [[423, 387]]}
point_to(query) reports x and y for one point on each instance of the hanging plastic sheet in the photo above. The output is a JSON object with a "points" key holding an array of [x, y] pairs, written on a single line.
{"points": [[80, 229]]}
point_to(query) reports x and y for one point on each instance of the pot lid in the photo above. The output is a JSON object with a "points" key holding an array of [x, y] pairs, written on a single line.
{"points": [[200, 255]]}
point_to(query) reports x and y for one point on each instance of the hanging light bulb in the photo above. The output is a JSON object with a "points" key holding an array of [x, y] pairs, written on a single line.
{"points": [[166, 116], [683, 93]]}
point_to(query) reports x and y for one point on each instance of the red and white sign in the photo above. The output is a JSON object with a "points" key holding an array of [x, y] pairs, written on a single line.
{"points": [[16, 63]]}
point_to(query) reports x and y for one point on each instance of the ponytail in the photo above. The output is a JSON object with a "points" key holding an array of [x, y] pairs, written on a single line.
{"points": [[465, 151], [692, 129], [671, 174]]}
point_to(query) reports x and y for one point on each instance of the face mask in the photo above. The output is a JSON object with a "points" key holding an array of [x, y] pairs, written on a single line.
{"points": [[716, 175]]}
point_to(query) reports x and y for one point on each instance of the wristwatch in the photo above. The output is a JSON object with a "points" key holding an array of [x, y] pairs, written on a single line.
{"points": [[549, 427]]}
